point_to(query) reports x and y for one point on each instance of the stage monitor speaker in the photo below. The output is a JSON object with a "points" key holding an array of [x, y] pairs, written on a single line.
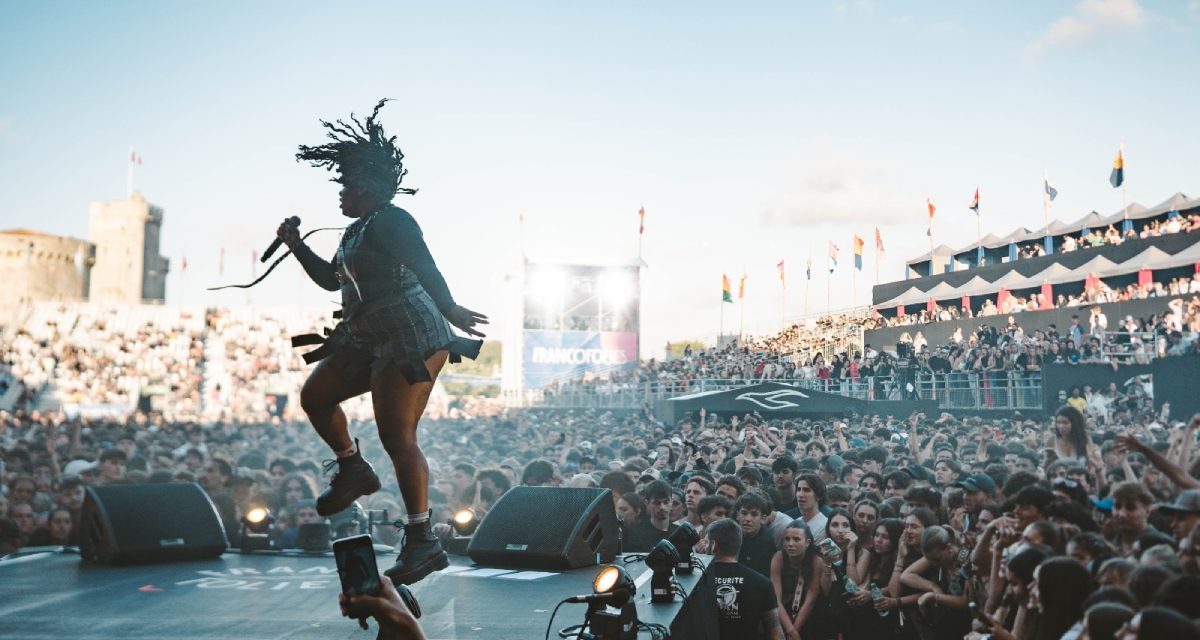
{"points": [[548, 528], [136, 523]]}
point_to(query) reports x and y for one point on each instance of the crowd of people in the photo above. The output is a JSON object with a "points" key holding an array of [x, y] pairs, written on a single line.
{"points": [[941, 526], [1110, 235], [189, 364], [1096, 293], [1005, 361]]}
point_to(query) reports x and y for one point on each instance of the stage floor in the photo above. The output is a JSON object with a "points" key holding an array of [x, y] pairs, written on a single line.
{"points": [[55, 595]]}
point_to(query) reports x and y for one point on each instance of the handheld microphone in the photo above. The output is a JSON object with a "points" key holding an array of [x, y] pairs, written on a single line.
{"points": [[277, 242]]}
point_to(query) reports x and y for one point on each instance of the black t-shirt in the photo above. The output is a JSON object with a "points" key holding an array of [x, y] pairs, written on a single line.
{"points": [[743, 596], [757, 551], [642, 536]]}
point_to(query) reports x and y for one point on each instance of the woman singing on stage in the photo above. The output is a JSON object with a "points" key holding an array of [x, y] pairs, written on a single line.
{"points": [[394, 335]]}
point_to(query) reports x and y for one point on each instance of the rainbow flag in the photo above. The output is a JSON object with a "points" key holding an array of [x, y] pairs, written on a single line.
{"points": [[975, 202], [929, 203], [726, 292], [858, 248], [1117, 177]]}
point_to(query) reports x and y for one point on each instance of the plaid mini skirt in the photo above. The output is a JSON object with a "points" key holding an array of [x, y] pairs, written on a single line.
{"points": [[401, 328]]}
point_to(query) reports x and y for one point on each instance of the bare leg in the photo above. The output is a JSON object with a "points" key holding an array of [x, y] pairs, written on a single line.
{"points": [[398, 408], [321, 397]]}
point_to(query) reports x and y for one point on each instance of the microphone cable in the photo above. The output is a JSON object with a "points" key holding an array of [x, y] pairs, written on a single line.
{"points": [[273, 264]]}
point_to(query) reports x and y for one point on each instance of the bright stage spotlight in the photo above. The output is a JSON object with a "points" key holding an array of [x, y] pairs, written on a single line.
{"points": [[617, 288], [465, 522], [662, 560], [257, 533], [548, 287], [684, 538], [611, 613]]}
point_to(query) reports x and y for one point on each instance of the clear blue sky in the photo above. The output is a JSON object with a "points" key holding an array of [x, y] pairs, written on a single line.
{"points": [[749, 133]]}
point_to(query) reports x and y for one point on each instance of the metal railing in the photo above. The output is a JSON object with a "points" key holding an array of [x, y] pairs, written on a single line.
{"points": [[1008, 390]]}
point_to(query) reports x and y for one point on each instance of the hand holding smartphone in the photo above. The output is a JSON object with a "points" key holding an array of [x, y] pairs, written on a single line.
{"points": [[356, 565]]}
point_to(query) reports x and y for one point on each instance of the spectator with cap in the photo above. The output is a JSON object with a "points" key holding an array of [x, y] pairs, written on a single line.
{"points": [[978, 490], [1184, 513]]}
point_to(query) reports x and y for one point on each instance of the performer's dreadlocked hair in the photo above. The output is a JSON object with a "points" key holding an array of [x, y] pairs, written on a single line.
{"points": [[362, 152]]}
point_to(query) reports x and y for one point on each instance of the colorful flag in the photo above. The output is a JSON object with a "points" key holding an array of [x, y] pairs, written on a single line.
{"points": [[726, 294], [878, 241], [858, 249], [782, 280], [1117, 177], [641, 221], [808, 265], [929, 231], [742, 287], [833, 250], [974, 203], [183, 263], [134, 158]]}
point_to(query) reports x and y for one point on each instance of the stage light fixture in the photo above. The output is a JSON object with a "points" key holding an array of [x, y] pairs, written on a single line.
{"points": [[611, 612], [465, 522], [257, 533], [662, 560], [684, 539]]}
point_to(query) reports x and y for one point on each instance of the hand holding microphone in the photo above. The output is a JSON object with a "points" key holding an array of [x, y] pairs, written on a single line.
{"points": [[288, 233]]}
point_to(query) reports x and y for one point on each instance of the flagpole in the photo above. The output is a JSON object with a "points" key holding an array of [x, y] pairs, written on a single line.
{"points": [[854, 287], [1124, 205], [876, 257], [1045, 199], [828, 282], [1045, 205], [721, 326], [742, 306], [641, 229], [978, 235], [782, 302]]}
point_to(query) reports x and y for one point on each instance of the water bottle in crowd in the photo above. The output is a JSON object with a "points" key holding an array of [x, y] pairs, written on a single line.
{"points": [[876, 596]]}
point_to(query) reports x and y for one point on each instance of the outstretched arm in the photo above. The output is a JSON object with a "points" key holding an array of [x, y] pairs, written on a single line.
{"points": [[1176, 473]]}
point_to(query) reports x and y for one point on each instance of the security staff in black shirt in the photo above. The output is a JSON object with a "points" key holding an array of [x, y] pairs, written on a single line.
{"points": [[746, 603]]}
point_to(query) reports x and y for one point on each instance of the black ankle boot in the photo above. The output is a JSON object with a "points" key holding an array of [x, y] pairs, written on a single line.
{"points": [[354, 478], [421, 555]]}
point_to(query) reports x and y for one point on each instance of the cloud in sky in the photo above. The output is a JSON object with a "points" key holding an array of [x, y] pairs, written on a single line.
{"points": [[1090, 19], [836, 184]]}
